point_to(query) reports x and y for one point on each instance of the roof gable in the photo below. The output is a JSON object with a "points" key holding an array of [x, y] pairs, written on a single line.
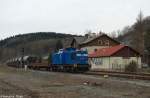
{"points": [[101, 40], [98, 37]]}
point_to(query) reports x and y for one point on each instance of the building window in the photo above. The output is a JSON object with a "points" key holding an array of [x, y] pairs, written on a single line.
{"points": [[100, 42], [107, 42]]}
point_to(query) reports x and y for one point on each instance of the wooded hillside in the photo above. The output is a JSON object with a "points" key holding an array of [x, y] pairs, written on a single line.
{"points": [[39, 44]]}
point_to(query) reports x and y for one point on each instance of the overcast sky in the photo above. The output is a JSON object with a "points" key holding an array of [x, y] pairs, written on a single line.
{"points": [[68, 16]]}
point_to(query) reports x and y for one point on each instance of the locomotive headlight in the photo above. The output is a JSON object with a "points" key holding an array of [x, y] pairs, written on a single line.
{"points": [[79, 55], [85, 54]]}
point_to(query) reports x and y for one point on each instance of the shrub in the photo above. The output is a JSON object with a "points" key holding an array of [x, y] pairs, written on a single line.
{"points": [[131, 67]]}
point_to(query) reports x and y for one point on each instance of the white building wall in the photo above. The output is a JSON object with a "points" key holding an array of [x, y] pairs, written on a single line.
{"points": [[99, 63], [112, 62], [92, 48], [121, 62]]}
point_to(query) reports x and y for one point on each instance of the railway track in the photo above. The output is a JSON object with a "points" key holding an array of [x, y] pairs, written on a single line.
{"points": [[129, 75]]}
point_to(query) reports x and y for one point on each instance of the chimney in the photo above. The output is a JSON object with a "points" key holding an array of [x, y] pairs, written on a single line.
{"points": [[95, 50]]}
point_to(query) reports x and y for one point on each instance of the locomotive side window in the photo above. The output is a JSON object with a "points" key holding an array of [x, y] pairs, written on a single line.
{"points": [[73, 56]]}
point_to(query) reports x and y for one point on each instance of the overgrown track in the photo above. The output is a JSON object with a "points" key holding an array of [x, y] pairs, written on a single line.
{"points": [[142, 76]]}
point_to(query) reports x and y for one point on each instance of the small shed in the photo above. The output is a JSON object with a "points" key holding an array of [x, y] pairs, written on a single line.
{"points": [[115, 57]]}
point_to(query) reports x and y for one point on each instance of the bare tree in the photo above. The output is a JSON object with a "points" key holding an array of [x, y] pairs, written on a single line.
{"points": [[138, 36]]}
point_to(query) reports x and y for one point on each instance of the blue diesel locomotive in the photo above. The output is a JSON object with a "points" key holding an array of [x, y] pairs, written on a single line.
{"points": [[70, 59]]}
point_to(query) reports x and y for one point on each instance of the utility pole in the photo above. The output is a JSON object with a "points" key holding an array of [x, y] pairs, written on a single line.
{"points": [[22, 56], [22, 52]]}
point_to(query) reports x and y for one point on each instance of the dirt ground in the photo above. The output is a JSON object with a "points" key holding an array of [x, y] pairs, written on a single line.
{"points": [[17, 83]]}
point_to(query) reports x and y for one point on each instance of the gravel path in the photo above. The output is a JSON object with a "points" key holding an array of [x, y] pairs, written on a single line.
{"points": [[41, 84]]}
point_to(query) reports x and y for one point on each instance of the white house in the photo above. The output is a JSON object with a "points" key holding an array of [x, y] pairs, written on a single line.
{"points": [[113, 58]]}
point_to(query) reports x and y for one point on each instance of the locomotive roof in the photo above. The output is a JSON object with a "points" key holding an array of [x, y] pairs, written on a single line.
{"points": [[69, 49]]}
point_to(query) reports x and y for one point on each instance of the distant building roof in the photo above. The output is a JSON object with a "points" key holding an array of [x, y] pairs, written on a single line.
{"points": [[92, 38], [84, 39], [66, 42], [105, 52], [80, 39]]}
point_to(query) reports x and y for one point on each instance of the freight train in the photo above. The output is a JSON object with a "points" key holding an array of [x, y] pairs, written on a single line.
{"points": [[68, 59], [19, 62]]}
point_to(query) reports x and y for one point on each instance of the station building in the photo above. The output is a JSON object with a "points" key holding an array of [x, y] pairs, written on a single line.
{"points": [[114, 58], [93, 42], [105, 52]]}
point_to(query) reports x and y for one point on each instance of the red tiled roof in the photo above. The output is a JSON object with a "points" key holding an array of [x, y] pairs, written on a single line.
{"points": [[106, 51]]}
